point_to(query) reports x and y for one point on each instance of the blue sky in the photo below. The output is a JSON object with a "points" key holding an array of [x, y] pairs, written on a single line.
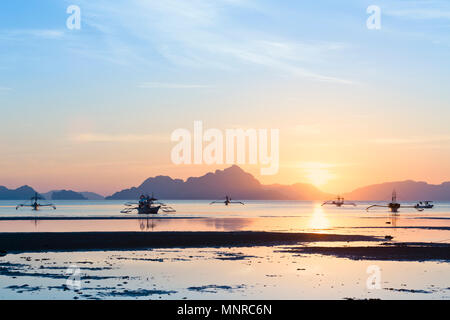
{"points": [[137, 70]]}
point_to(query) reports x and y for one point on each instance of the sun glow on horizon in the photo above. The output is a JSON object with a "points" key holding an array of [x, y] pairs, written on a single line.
{"points": [[318, 173], [221, 63]]}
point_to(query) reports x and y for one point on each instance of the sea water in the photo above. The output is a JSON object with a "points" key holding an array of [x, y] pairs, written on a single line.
{"points": [[222, 273]]}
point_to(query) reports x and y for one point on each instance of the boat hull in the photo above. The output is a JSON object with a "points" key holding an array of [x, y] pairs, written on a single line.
{"points": [[425, 207], [149, 210]]}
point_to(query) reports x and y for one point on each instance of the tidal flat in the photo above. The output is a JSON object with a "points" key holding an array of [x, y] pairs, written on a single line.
{"points": [[265, 250]]}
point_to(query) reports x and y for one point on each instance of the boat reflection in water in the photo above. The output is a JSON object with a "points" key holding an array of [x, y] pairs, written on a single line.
{"points": [[146, 224]]}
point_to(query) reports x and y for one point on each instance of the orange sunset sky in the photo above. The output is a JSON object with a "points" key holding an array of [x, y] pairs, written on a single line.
{"points": [[93, 109]]}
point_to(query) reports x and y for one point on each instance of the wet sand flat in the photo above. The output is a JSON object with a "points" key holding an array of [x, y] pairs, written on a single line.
{"points": [[264, 250], [75, 241], [391, 252], [214, 273]]}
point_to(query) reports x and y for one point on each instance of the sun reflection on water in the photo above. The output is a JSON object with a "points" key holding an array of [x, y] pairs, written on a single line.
{"points": [[319, 220]]}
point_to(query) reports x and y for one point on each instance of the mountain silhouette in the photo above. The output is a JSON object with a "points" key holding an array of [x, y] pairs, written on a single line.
{"points": [[22, 193], [232, 181], [92, 195], [406, 191], [67, 195], [26, 192], [238, 184], [71, 195]]}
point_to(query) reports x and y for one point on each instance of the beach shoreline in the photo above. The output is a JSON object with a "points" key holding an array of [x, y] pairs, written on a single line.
{"points": [[75, 218]]}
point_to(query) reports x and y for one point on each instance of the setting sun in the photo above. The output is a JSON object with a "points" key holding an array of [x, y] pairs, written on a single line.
{"points": [[317, 173]]}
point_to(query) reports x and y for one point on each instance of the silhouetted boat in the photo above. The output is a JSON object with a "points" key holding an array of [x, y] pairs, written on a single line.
{"points": [[147, 205], [424, 205], [339, 202], [34, 204], [227, 201], [394, 205]]}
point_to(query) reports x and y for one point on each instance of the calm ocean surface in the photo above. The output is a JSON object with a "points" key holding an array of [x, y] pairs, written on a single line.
{"points": [[224, 273], [286, 216]]}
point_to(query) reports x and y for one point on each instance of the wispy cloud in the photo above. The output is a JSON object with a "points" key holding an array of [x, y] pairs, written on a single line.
{"points": [[285, 56], [20, 34], [160, 85], [421, 14], [305, 129], [412, 140], [419, 10], [100, 137], [48, 34], [203, 34]]}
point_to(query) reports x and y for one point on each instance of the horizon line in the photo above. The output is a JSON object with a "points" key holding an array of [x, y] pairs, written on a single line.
{"points": [[214, 171]]}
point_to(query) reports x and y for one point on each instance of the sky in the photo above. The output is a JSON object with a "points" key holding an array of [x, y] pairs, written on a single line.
{"points": [[93, 109]]}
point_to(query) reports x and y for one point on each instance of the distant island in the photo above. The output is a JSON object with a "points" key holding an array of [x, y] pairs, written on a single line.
{"points": [[408, 190], [26, 192], [22, 193], [71, 195], [63, 195], [232, 181], [239, 184], [242, 185]]}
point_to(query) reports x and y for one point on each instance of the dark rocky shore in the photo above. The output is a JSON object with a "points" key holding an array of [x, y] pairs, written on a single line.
{"points": [[387, 251], [78, 241]]}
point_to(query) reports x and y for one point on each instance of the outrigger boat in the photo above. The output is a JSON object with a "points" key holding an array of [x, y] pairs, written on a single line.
{"points": [[339, 202], [34, 204], [227, 201], [424, 205], [147, 205], [394, 205]]}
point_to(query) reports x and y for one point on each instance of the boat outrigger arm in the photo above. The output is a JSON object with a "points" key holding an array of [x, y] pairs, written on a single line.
{"points": [[163, 207], [338, 204], [147, 205], [339, 201], [227, 201], [35, 205], [394, 205]]}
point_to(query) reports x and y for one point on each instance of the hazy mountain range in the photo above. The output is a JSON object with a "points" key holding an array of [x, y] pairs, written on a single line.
{"points": [[239, 184], [408, 190], [26, 192], [232, 181], [71, 195]]}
